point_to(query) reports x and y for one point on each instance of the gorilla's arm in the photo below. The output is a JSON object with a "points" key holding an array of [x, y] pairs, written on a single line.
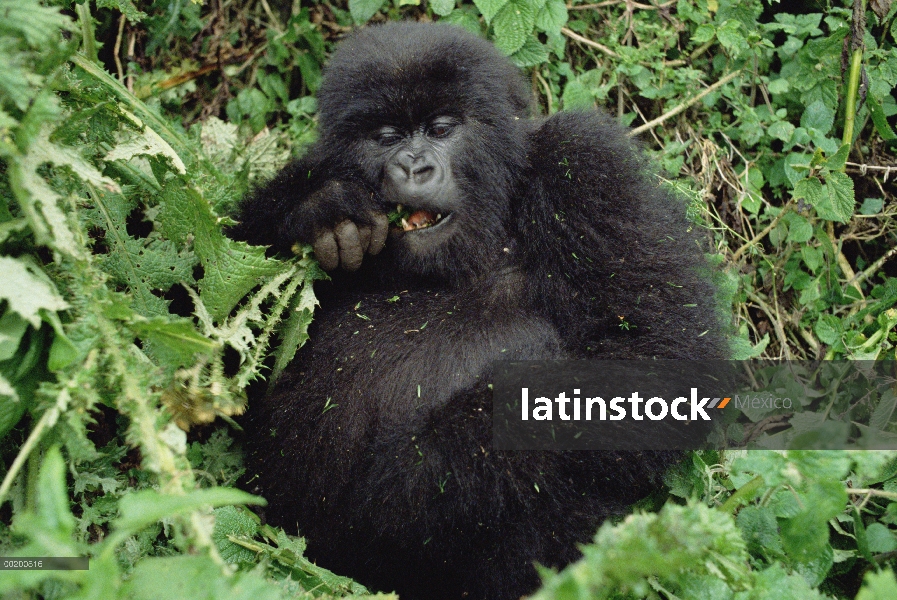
{"points": [[319, 200], [611, 255]]}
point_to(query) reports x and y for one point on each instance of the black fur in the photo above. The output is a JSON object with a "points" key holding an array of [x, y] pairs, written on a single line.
{"points": [[376, 442]]}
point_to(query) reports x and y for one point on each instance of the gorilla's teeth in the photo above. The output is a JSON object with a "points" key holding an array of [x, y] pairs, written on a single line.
{"points": [[439, 216], [405, 225], [398, 208]]}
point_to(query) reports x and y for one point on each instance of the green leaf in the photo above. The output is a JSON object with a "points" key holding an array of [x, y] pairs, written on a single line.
{"points": [[809, 189], [759, 529], [871, 206], [531, 54], [442, 7], [193, 577], [11, 407], [884, 411], [780, 130], [295, 332], [125, 7], [464, 18], [818, 116], [234, 521], [836, 161], [577, 96], [39, 25], [731, 38], [145, 507], [231, 269], [512, 25], [878, 585], [175, 339], [12, 329], [363, 10], [552, 16], [489, 8], [828, 329], [880, 538], [880, 119], [28, 290], [812, 257], [799, 229], [837, 202], [52, 495]]}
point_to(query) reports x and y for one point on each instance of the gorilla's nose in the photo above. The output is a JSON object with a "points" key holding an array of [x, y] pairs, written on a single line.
{"points": [[411, 170]]}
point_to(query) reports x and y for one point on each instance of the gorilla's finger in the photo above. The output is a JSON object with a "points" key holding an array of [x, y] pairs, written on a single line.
{"points": [[364, 237], [326, 250], [379, 231], [350, 253]]}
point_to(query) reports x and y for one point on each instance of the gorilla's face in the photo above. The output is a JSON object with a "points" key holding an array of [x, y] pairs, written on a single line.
{"points": [[434, 120], [418, 180]]}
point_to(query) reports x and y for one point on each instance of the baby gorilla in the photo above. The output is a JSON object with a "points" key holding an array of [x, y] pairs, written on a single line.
{"points": [[512, 237]]}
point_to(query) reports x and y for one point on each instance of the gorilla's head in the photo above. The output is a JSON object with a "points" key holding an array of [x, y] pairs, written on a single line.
{"points": [[435, 118]]}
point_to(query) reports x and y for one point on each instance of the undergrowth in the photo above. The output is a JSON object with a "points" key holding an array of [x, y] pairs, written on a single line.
{"points": [[129, 130]]}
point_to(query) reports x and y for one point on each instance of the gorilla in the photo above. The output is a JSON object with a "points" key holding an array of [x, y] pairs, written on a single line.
{"points": [[459, 229]]}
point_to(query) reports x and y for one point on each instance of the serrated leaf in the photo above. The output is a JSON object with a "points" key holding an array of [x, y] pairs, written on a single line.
{"points": [[552, 16], [836, 161], [512, 25], [837, 202], [878, 585], [189, 577], [177, 335], [125, 7], [145, 266], [39, 25], [531, 54], [234, 521], [884, 411], [809, 189], [818, 116], [363, 10], [828, 329], [145, 507], [731, 38], [39, 201], [489, 8], [231, 269], [442, 7], [295, 331], [145, 143], [28, 291]]}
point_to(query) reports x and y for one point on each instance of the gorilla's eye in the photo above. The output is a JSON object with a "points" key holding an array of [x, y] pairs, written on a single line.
{"points": [[440, 129], [387, 136]]}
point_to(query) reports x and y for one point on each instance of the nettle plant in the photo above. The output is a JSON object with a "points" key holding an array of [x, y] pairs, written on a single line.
{"points": [[125, 311]]}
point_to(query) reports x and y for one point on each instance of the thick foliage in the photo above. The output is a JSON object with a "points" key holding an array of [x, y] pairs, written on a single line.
{"points": [[103, 215]]}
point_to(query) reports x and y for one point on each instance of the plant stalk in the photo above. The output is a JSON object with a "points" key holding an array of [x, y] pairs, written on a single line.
{"points": [[856, 69]]}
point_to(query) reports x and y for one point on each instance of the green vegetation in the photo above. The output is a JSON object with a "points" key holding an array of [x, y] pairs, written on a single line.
{"points": [[128, 131]]}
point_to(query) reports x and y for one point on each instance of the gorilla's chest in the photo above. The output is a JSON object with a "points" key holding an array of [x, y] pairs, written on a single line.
{"points": [[414, 348]]}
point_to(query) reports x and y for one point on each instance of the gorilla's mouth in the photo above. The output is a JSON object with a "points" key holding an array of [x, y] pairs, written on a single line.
{"points": [[409, 219]]}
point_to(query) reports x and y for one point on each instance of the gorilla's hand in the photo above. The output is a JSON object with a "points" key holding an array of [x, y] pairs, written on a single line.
{"points": [[354, 232]]}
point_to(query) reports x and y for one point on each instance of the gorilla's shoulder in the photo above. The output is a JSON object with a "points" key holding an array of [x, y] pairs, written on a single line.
{"points": [[589, 153], [584, 132]]}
